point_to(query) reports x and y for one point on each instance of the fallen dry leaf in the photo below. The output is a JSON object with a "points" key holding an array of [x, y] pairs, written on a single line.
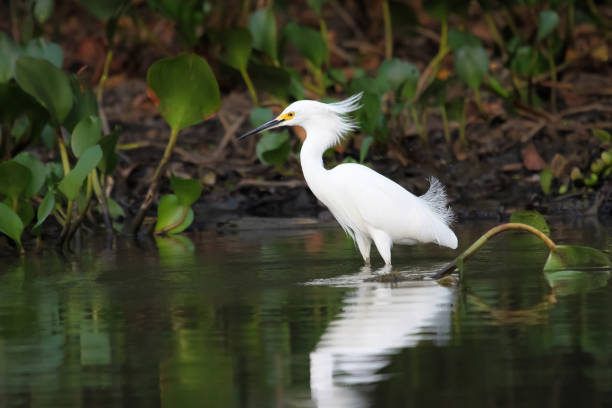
{"points": [[532, 159]]}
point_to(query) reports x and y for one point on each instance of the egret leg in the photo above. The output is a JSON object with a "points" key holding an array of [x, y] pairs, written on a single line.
{"points": [[364, 243], [383, 243]]}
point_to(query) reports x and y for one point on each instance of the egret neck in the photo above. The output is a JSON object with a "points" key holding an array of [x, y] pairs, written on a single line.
{"points": [[317, 141]]}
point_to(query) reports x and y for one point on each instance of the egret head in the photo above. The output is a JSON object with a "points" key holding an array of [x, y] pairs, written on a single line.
{"points": [[317, 115]]}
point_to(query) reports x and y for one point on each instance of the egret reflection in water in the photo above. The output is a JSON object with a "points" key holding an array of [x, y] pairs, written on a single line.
{"points": [[376, 322]]}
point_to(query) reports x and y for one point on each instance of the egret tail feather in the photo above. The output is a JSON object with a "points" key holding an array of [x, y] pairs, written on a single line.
{"points": [[437, 201]]}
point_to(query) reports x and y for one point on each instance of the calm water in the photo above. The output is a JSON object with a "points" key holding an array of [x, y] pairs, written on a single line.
{"points": [[285, 319]]}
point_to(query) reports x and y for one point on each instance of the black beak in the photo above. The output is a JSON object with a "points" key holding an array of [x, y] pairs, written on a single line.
{"points": [[261, 128]]}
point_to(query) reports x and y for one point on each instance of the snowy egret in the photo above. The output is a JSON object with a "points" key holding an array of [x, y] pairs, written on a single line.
{"points": [[367, 205]]}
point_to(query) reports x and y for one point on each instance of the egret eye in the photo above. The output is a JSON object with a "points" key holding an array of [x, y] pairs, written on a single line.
{"points": [[290, 115]]}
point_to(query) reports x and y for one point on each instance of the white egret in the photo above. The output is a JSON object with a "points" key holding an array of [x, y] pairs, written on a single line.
{"points": [[367, 205]]}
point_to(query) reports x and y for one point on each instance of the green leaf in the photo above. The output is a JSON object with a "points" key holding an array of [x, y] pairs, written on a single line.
{"points": [[109, 153], [238, 46], [186, 190], [262, 25], [527, 61], [41, 48], [273, 148], [9, 53], [546, 180], [42, 10], [45, 208], [441, 9], [472, 64], [84, 103], [498, 88], [47, 84], [573, 257], [316, 5], [602, 135], [38, 172], [275, 80], [14, 178], [114, 209], [170, 212], [10, 224], [187, 89], [532, 218], [365, 147], [72, 182], [308, 42], [393, 74], [102, 9], [547, 23], [25, 211], [458, 39], [86, 134]]}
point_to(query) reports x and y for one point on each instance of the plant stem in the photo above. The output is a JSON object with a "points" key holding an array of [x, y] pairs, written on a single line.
{"points": [[83, 214], [323, 29], [462, 135], [447, 134], [484, 238], [388, 30], [495, 33], [152, 191], [66, 166], [249, 84], [553, 76], [244, 16], [478, 100], [102, 200], [104, 77], [175, 224], [430, 73]]}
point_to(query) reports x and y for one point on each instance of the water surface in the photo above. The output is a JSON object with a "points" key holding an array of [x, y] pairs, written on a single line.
{"points": [[287, 318]]}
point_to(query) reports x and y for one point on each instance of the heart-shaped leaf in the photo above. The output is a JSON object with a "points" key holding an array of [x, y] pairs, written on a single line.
{"points": [[238, 46], [532, 218], [472, 64], [38, 172], [440, 9], [186, 190], [86, 134], [171, 213], [547, 23], [308, 42], [25, 211], [187, 89], [574, 257], [14, 178], [47, 84], [72, 182], [10, 223], [262, 25], [45, 208], [394, 73]]}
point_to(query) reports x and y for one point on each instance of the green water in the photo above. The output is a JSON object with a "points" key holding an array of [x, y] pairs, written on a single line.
{"points": [[285, 318]]}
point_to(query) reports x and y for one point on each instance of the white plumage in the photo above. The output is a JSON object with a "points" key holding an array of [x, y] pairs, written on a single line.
{"points": [[368, 206]]}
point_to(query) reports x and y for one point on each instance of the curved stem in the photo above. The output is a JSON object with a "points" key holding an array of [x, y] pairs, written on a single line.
{"points": [[152, 191], [249, 84], [485, 237]]}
